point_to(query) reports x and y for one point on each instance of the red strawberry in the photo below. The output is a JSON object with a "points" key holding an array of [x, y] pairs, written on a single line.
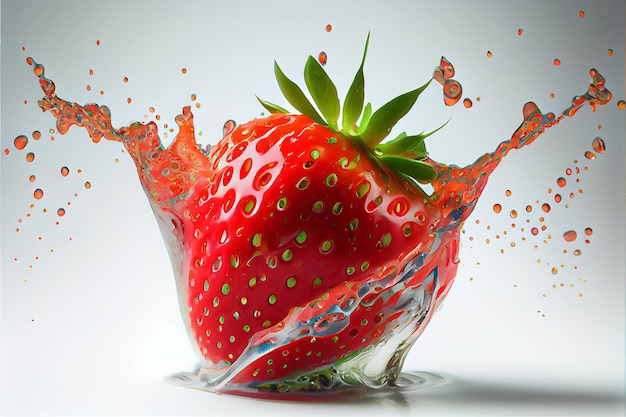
{"points": [[305, 253]]}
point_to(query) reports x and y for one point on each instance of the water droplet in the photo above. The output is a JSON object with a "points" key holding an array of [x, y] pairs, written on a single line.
{"points": [[554, 271], [184, 70], [20, 142], [598, 145], [520, 31], [557, 62], [98, 42], [30, 157], [467, 103], [329, 27], [36, 135], [125, 79], [322, 58], [570, 236], [588, 231], [546, 207], [621, 104], [609, 52], [581, 14], [561, 182], [557, 198], [590, 155], [534, 231], [578, 252], [65, 171], [508, 193], [61, 212], [38, 194], [513, 214], [489, 54], [497, 208]]}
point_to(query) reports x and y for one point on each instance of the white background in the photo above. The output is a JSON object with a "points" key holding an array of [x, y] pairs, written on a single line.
{"points": [[92, 327]]}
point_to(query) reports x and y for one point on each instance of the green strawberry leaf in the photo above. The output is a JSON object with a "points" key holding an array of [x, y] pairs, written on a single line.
{"points": [[403, 143], [367, 114], [296, 97], [385, 118], [412, 169], [323, 91], [271, 107], [353, 103]]}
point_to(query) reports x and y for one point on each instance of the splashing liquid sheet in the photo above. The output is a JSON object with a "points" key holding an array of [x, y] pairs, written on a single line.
{"points": [[181, 178]]}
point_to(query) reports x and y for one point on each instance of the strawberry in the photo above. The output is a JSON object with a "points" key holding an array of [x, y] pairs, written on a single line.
{"points": [[306, 253]]}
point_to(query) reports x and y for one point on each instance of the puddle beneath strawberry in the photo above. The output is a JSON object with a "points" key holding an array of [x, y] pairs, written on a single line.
{"points": [[266, 293]]}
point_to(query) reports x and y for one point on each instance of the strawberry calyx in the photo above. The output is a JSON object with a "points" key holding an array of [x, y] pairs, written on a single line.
{"points": [[404, 154]]}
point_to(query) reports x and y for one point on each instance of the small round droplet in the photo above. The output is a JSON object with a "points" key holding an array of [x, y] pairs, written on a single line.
{"points": [[36, 135], [609, 52], [561, 182], [598, 145], [546, 207], [513, 214], [557, 62], [489, 54], [590, 155], [322, 58], [570, 236], [581, 14], [65, 171], [621, 104], [329, 27], [520, 31], [184, 70], [497, 208], [467, 103], [578, 252], [30, 157], [588, 231], [534, 231], [20, 142], [38, 194], [61, 212], [125, 79]]}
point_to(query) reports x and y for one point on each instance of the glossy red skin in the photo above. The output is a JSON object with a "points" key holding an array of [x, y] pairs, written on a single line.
{"points": [[263, 161]]}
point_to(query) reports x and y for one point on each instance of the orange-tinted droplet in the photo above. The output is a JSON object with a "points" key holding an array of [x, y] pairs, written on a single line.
{"points": [[568, 171], [534, 231], [598, 145], [578, 252], [529, 208], [61, 212], [65, 171], [508, 193], [609, 52], [38, 194], [467, 103], [557, 198], [570, 236], [32, 178], [557, 62], [36, 135], [621, 104], [30, 157], [561, 182], [98, 42], [88, 87], [546, 207], [151, 109], [554, 271], [20, 142], [520, 31], [489, 54], [129, 100], [581, 14], [588, 231], [590, 155], [193, 97], [184, 70], [125, 79], [322, 58], [551, 95], [7, 151], [497, 208], [513, 214], [329, 27], [87, 185]]}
